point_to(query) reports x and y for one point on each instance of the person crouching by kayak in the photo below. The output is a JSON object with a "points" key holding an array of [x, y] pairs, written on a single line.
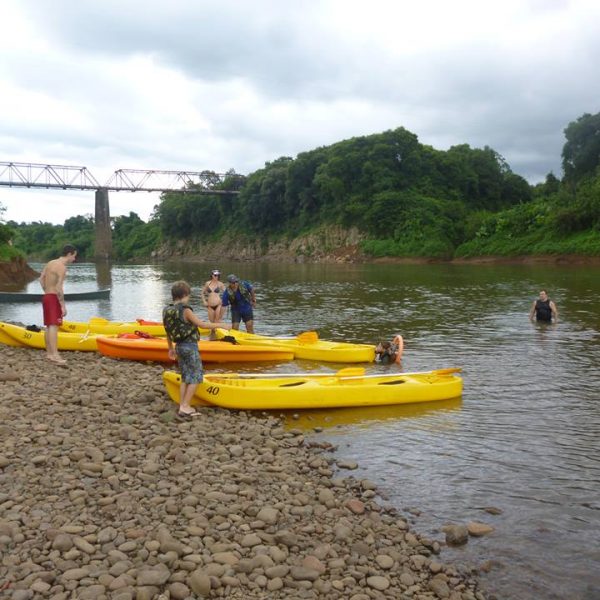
{"points": [[390, 352], [181, 326], [242, 299], [543, 309]]}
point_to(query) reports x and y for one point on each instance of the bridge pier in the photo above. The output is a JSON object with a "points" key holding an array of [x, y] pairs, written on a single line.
{"points": [[103, 245]]}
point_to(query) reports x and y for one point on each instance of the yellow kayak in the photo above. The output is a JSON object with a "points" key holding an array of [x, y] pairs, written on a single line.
{"points": [[7, 339], [308, 346], [346, 388], [35, 339], [106, 327]]}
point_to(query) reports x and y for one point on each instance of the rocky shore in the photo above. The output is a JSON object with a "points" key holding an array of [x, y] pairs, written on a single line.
{"points": [[104, 494]]}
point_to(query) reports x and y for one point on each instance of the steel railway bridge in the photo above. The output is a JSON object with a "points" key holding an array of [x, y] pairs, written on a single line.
{"points": [[63, 177]]}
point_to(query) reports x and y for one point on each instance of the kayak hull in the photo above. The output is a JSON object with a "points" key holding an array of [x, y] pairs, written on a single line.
{"points": [[35, 339], [308, 348], [105, 327], [8, 340], [157, 350], [303, 391]]}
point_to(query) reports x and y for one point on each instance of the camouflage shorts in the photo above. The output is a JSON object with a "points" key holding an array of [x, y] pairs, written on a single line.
{"points": [[188, 357]]}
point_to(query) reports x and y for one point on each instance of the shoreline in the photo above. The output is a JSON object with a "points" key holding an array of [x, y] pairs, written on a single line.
{"points": [[352, 257], [11, 273], [106, 495]]}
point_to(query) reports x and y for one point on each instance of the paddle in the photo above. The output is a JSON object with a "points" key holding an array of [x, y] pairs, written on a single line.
{"points": [[346, 373], [435, 372], [84, 337]]}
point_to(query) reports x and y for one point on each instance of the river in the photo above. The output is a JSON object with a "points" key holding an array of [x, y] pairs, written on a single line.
{"points": [[524, 438]]}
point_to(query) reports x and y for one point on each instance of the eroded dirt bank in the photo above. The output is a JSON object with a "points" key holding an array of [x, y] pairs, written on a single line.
{"points": [[329, 245], [16, 273]]}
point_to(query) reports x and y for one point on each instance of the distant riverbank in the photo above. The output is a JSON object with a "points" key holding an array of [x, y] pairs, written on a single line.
{"points": [[15, 274]]}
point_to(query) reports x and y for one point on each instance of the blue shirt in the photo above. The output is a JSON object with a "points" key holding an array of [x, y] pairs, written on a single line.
{"points": [[239, 302]]}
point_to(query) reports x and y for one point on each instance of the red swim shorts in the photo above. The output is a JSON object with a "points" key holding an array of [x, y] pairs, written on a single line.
{"points": [[52, 310]]}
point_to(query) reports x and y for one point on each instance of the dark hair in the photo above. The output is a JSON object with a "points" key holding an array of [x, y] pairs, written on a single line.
{"points": [[180, 289], [68, 249]]}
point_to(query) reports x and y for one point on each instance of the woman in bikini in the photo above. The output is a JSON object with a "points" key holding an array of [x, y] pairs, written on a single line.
{"points": [[211, 298]]}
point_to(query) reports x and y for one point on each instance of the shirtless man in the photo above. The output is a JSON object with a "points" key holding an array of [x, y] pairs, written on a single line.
{"points": [[53, 303]]}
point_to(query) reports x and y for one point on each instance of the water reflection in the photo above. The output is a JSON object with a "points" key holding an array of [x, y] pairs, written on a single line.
{"points": [[364, 417], [103, 274], [525, 436]]}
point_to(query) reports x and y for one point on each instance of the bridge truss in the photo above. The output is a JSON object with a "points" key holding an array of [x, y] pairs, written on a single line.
{"points": [[32, 175]]}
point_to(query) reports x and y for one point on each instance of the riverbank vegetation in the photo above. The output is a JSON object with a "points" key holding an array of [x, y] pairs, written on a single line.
{"points": [[406, 199], [7, 249], [131, 236]]}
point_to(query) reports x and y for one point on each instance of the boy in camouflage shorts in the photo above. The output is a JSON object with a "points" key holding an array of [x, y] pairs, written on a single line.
{"points": [[181, 325]]}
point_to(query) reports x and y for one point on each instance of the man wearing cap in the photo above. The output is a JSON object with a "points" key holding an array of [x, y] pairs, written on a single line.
{"points": [[240, 296]]}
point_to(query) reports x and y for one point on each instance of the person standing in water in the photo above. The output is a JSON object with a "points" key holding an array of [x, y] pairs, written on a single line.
{"points": [[211, 298], [52, 281], [240, 295], [543, 309]]}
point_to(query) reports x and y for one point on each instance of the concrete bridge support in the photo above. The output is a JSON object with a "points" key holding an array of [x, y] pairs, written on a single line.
{"points": [[103, 247]]}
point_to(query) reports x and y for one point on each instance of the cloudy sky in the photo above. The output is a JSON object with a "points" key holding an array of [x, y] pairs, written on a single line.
{"points": [[195, 85]]}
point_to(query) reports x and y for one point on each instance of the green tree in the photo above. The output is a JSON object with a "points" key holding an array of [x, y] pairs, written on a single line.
{"points": [[581, 152]]}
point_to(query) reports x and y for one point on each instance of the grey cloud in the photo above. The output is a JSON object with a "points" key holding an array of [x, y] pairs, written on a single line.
{"points": [[516, 100]]}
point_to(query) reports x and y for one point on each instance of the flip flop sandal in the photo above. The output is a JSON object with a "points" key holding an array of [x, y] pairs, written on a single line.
{"points": [[184, 415]]}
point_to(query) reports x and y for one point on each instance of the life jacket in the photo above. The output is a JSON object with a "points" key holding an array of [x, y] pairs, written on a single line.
{"points": [[244, 291], [177, 328], [543, 312]]}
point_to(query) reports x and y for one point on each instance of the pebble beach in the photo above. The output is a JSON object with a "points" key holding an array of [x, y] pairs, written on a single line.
{"points": [[105, 494]]}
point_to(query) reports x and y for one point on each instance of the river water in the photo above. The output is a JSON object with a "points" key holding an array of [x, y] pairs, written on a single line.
{"points": [[524, 438]]}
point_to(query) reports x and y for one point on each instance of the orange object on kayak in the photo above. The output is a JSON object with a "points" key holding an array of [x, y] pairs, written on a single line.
{"points": [[157, 349], [399, 342]]}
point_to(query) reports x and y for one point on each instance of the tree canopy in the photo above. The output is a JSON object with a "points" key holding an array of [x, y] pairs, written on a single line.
{"points": [[406, 198], [384, 184]]}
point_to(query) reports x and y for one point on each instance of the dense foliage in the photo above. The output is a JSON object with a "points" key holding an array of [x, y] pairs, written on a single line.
{"points": [[407, 199], [563, 216], [7, 250], [132, 237]]}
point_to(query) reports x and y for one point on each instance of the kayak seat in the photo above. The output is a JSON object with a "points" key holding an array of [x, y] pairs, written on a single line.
{"points": [[395, 382], [293, 384]]}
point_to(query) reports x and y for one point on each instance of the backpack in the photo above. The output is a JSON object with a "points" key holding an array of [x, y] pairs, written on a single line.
{"points": [[176, 327]]}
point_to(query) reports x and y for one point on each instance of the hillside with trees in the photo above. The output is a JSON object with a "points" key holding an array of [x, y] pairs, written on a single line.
{"points": [[563, 216], [408, 199], [405, 198]]}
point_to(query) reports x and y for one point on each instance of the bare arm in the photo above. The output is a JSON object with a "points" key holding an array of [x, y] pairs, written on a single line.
{"points": [[532, 311], [172, 353], [554, 311], [190, 317], [204, 294], [60, 291]]}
